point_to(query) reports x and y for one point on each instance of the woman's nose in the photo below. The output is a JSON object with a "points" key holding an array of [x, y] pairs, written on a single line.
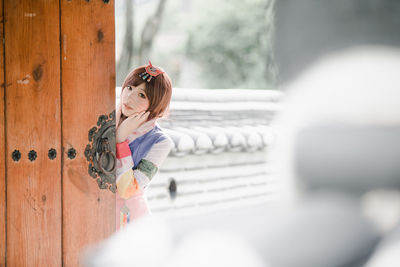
{"points": [[129, 93], [131, 97]]}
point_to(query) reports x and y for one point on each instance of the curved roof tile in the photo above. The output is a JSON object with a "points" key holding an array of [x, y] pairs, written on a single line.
{"points": [[202, 141]]}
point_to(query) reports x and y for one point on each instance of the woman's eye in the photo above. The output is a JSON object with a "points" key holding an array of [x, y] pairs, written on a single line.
{"points": [[142, 95], [130, 88]]}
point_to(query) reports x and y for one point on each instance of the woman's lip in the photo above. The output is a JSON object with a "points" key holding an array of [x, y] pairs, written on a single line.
{"points": [[127, 107]]}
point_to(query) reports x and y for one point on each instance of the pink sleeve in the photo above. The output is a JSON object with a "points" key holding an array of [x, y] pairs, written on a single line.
{"points": [[123, 149]]}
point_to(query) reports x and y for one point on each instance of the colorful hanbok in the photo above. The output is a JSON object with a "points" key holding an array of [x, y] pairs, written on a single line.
{"points": [[139, 158]]}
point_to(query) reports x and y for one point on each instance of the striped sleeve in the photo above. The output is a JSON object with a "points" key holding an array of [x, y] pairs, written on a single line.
{"points": [[150, 164], [124, 158], [130, 182], [124, 174]]}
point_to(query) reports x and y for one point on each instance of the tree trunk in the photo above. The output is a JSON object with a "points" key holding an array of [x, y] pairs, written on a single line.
{"points": [[126, 57], [149, 32]]}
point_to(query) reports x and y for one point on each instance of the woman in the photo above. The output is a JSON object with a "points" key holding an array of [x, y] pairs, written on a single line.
{"points": [[142, 145]]}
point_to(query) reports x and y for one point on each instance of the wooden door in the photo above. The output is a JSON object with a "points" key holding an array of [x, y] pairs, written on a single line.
{"points": [[88, 90], [57, 76], [3, 150]]}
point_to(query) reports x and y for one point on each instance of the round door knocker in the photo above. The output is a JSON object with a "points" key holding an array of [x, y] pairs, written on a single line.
{"points": [[100, 153], [107, 158]]}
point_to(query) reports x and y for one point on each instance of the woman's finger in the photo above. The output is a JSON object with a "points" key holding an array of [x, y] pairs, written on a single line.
{"points": [[139, 115], [145, 116], [118, 114], [135, 114]]}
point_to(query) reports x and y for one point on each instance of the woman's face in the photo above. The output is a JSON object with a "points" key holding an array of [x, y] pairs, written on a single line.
{"points": [[134, 99]]}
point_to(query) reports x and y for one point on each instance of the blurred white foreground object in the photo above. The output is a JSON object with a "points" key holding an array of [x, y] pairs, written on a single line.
{"points": [[145, 242], [213, 248]]}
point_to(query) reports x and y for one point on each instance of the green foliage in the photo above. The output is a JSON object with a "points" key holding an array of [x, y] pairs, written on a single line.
{"points": [[231, 41]]}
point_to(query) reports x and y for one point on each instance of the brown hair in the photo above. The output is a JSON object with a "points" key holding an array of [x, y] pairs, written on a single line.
{"points": [[158, 91]]}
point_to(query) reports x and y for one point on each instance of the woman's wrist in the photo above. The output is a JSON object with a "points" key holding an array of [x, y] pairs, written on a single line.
{"points": [[121, 135], [119, 138]]}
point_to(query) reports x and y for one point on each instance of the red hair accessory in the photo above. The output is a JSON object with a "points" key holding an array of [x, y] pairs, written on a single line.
{"points": [[151, 71]]}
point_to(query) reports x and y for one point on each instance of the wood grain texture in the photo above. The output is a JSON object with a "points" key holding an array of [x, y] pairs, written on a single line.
{"points": [[2, 151], [88, 90], [33, 123]]}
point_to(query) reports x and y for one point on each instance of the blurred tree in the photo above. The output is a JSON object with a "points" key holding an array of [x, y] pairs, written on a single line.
{"points": [[126, 58], [129, 54], [232, 42], [149, 31]]}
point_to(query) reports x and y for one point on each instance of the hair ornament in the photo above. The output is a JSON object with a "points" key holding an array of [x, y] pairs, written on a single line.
{"points": [[151, 71]]}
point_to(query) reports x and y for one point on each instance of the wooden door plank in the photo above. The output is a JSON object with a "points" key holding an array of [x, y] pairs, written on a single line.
{"points": [[33, 123], [88, 90], [3, 151]]}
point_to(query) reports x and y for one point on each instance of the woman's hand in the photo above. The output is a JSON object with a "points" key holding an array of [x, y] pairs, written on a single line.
{"points": [[130, 124], [118, 114]]}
